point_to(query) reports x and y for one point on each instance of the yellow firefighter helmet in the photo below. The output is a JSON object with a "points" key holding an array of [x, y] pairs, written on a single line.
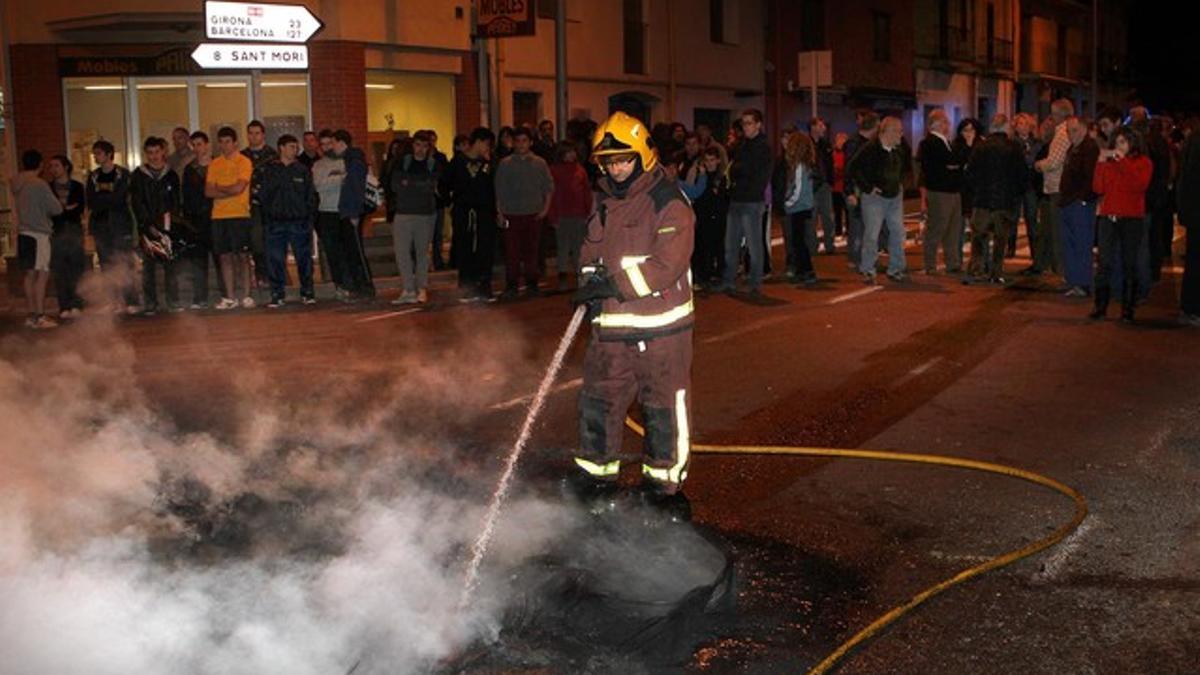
{"points": [[623, 134]]}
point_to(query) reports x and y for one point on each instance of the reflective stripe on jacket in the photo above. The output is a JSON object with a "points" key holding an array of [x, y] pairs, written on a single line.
{"points": [[644, 239]]}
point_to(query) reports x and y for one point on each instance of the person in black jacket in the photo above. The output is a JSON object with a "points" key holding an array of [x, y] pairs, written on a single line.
{"points": [[414, 182], [868, 129], [822, 186], [469, 187], [708, 188], [749, 173], [940, 180], [154, 198], [1158, 199], [197, 213], [1187, 196], [288, 202], [879, 172], [111, 224], [997, 175], [67, 258]]}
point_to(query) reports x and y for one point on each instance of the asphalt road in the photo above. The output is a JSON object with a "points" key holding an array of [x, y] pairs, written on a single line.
{"points": [[1015, 375]]}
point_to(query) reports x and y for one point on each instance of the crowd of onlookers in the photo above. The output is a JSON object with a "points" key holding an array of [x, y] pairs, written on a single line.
{"points": [[1112, 185]]}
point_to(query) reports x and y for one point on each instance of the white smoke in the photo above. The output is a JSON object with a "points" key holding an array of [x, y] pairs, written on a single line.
{"points": [[99, 575]]}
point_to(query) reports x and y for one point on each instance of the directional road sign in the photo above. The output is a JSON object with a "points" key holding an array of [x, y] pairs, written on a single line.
{"points": [[251, 56], [259, 22]]}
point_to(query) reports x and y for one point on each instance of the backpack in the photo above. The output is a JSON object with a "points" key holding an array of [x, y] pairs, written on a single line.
{"points": [[373, 193]]}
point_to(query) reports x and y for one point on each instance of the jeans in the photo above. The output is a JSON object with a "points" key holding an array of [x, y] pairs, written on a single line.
{"points": [[854, 234], [279, 236], [943, 225], [823, 209], [411, 237], [521, 251], [989, 226], [358, 270], [1048, 251], [150, 266], [878, 211], [1027, 207], [1189, 295], [328, 226], [1078, 235], [744, 222], [68, 262], [1120, 240], [568, 239], [798, 223]]}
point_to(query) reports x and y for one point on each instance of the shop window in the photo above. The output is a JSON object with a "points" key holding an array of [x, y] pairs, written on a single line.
{"points": [[283, 100], [162, 105], [95, 110], [404, 103], [224, 103]]}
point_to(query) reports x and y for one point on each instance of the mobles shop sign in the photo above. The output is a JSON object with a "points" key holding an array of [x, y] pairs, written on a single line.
{"points": [[507, 18]]}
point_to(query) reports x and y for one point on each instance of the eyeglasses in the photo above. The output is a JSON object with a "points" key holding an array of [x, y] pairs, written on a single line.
{"points": [[615, 160]]}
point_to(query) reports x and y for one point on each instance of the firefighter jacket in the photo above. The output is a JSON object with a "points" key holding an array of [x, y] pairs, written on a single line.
{"points": [[644, 239]]}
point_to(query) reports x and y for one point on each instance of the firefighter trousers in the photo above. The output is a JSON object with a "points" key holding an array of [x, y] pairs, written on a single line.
{"points": [[656, 373]]}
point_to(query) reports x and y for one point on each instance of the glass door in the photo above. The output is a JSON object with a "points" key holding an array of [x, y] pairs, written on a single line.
{"points": [[223, 102]]}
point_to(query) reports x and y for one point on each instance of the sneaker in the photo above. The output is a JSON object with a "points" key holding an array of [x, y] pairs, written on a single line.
{"points": [[275, 303], [898, 277], [1185, 319], [308, 300], [868, 278], [422, 296], [149, 311], [133, 310], [65, 315], [340, 294], [197, 306], [226, 303], [248, 303], [43, 322], [930, 271], [998, 281], [408, 298], [809, 279], [31, 321], [175, 309], [1076, 292]]}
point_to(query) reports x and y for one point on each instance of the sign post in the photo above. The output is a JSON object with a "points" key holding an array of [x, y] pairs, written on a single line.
{"points": [[814, 69], [275, 33]]}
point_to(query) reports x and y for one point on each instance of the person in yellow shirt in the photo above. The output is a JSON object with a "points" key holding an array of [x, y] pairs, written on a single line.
{"points": [[228, 185]]}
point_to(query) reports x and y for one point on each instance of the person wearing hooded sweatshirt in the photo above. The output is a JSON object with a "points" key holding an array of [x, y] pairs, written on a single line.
{"points": [[68, 261], [154, 197], [36, 206], [110, 223], [637, 288], [351, 209]]}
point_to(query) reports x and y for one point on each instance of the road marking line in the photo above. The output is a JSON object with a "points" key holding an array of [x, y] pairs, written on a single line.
{"points": [[854, 294], [1055, 562], [387, 315], [924, 366], [750, 328], [514, 402]]}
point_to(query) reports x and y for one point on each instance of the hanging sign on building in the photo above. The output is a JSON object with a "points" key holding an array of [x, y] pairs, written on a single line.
{"points": [[251, 56], [259, 22], [507, 18]]}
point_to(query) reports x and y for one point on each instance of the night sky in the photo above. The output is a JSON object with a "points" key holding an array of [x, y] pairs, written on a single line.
{"points": [[1166, 59]]}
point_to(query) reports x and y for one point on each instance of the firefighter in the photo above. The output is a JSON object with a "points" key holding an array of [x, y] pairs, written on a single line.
{"points": [[637, 284]]}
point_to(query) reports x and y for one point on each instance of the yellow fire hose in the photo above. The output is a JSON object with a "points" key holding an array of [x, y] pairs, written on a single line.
{"points": [[895, 614]]}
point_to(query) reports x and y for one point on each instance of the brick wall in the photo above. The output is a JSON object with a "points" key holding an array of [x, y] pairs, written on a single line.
{"points": [[37, 104], [338, 77], [467, 98]]}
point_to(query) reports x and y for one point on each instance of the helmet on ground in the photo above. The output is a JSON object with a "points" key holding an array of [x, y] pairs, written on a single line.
{"points": [[623, 134]]}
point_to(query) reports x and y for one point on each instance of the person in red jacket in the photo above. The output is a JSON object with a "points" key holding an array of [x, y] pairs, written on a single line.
{"points": [[1121, 179], [569, 208], [638, 286]]}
